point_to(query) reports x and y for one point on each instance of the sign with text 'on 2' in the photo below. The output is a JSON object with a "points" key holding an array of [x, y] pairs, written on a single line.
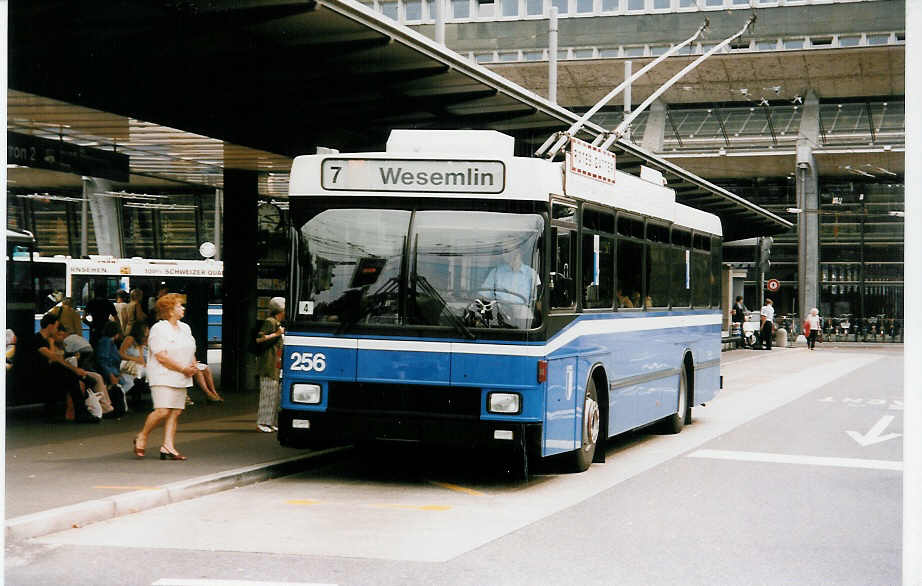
{"points": [[44, 153], [413, 175], [590, 161]]}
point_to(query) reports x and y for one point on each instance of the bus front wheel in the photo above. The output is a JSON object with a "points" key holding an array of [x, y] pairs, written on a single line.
{"points": [[590, 429]]}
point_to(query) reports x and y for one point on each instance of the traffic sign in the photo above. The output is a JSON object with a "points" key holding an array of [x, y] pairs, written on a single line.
{"points": [[773, 285]]}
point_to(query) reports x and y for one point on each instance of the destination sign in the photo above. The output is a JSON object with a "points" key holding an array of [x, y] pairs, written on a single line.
{"points": [[590, 161], [413, 175]]}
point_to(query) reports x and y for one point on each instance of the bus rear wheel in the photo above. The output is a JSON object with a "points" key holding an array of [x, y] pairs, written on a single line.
{"points": [[592, 418], [675, 422]]}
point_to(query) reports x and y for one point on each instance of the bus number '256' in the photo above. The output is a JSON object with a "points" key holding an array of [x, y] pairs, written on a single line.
{"points": [[308, 361]]}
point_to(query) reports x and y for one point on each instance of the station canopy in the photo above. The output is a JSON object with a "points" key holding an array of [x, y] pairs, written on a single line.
{"points": [[187, 88]]}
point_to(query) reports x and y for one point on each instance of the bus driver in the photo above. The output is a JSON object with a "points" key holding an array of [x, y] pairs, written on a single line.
{"points": [[512, 281]]}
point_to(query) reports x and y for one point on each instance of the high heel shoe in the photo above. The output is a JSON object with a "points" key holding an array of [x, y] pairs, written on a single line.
{"points": [[171, 455], [138, 452]]}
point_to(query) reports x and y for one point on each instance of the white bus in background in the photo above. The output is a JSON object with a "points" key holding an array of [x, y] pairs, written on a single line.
{"points": [[78, 278]]}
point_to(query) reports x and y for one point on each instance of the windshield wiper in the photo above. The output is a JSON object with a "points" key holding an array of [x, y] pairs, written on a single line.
{"points": [[434, 293]]}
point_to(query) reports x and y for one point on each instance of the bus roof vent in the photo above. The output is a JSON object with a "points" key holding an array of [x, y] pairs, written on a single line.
{"points": [[483, 143]]}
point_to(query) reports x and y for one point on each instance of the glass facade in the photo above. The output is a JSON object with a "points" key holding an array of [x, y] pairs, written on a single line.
{"points": [[861, 258], [147, 231], [860, 281]]}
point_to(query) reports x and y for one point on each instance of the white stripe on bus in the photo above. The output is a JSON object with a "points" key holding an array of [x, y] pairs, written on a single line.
{"points": [[581, 328]]}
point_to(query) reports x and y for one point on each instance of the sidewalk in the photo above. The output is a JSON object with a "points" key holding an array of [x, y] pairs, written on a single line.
{"points": [[59, 475]]}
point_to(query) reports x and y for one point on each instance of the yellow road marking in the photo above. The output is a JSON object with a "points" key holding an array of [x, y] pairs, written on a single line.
{"points": [[376, 505], [412, 507], [128, 487], [457, 488]]}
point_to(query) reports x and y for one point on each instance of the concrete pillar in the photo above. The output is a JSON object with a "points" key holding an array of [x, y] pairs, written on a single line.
{"points": [[238, 367], [807, 181], [655, 128], [106, 221]]}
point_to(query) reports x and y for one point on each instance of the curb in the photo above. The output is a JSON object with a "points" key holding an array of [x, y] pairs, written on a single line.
{"points": [[82, 514]]}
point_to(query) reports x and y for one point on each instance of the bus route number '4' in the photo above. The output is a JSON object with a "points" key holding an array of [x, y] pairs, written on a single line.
{"points": [[308, 361]]}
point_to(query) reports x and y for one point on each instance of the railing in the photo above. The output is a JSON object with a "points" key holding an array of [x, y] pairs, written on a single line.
{"points": [[873, 329]]}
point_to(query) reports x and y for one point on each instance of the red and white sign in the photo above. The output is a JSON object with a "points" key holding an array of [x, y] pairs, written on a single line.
{"points": [[773, 285], [589, 161]]}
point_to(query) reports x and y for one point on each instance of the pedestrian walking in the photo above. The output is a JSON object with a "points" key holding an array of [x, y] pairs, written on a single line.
{"points": [[170, 370], [739, 317], [767, 320], [269, 343], [812, 328]]}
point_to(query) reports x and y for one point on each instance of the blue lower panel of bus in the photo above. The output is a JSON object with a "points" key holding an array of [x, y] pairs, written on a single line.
{"points": [[416, 393], [406, 366]]}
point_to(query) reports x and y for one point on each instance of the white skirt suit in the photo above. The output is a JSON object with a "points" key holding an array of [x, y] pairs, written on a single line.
{"points": [[168, 387]]}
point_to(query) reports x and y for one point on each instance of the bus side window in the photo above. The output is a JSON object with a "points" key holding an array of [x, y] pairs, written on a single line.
{"points": [[630, 274], [563, 282], [658, 275], [598, 264]]}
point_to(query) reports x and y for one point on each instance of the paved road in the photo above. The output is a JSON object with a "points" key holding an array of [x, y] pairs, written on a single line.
{"points": [[792, 476]]}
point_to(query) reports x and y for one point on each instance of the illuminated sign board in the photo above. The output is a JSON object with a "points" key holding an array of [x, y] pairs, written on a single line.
{"points": [[413, 175]]}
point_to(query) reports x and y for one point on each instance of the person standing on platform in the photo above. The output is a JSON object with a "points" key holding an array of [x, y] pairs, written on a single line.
{"points": [[768, 324], [269, 343], [134, 312], [121, 308], [812, 327], [99, 311], [170, 370], [739, 317]]}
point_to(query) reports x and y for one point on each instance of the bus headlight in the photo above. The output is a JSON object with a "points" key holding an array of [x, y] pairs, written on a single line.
{"points": [[504, 403], [305, 393]]}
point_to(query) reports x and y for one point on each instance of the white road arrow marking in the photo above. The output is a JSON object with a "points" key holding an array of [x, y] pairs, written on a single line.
{"points": [[873, 436]]}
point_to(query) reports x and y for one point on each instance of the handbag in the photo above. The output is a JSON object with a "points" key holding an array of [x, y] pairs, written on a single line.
{"points": [[130, 367]]}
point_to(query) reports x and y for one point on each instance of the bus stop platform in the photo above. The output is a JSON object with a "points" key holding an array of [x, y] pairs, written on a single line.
{"points": [[62, 475]]}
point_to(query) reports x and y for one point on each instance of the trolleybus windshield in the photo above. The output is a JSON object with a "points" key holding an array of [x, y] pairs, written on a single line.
{"points": [[455, 268]]}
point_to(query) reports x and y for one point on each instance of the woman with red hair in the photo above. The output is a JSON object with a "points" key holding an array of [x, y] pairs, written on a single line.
{"points": [[170, 370]]}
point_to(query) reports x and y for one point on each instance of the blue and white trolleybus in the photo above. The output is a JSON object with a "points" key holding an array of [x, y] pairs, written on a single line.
{"points": [[446, 290]]}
